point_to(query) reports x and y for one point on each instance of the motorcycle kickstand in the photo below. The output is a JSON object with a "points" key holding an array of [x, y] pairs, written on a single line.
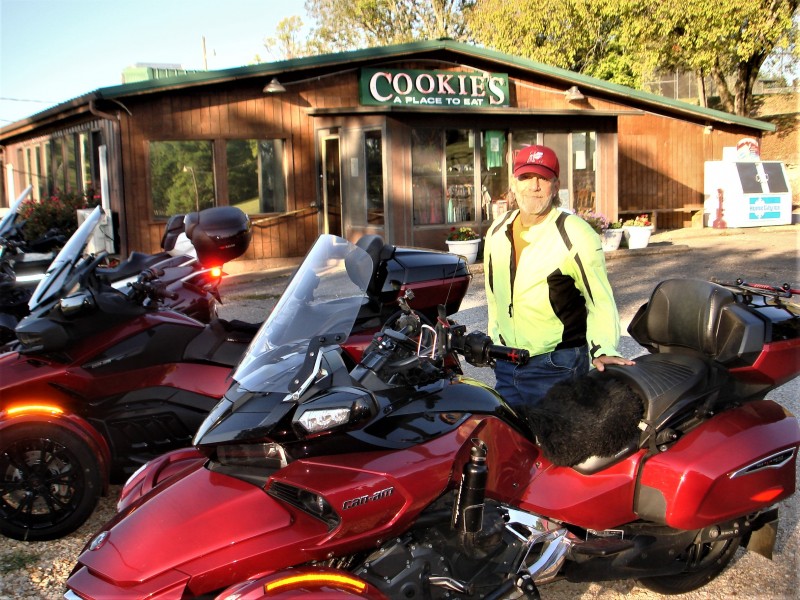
{"points": [[522, 583]]}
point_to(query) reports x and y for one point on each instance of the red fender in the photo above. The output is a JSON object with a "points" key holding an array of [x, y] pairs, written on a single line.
{"points": [[52, 414]]}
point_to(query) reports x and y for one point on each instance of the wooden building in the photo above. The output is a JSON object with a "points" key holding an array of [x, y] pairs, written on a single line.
{"points": [[405, 141]]}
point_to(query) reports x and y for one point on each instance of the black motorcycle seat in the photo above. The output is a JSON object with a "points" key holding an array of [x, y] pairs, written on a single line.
{"points": [[132, 266], [665, 382]]}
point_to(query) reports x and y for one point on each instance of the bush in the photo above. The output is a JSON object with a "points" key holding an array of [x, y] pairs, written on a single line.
{"points": [[59, 211]]}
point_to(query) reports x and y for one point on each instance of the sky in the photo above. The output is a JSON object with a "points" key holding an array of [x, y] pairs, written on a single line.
{"points": [[54, 50]]}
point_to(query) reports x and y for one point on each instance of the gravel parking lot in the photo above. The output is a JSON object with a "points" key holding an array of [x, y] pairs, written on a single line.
{"points": [[765, 255]]}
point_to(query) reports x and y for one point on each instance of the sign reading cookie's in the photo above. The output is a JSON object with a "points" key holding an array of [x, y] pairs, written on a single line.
{"points": [[456, 89]]}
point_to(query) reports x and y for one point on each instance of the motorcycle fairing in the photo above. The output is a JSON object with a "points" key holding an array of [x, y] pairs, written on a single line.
{"points": [[198, 512], [774, 366], [692, 486], [562, 493], [197, 516]]}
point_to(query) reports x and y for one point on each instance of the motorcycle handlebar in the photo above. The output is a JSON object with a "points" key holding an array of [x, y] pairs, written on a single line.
{"points": [[478, 349], [153, 289], [784, 291], [518, 356]]}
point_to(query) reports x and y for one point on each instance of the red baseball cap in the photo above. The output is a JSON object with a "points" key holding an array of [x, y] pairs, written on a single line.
{"points": [[539, 160]]}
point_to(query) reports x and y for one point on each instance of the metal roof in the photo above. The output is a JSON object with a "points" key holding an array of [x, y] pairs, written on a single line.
{"points": [[421, 49]]}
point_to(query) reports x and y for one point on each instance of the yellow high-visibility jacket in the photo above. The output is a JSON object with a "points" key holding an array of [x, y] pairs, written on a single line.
{"points": [[559, 295]]}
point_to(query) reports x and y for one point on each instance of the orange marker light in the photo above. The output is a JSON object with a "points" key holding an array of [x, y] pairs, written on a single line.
{"points": [[318, 579], [33, 408]]}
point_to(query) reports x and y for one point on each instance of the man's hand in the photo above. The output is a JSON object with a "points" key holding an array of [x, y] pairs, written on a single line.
{"points": [[601, 361]]}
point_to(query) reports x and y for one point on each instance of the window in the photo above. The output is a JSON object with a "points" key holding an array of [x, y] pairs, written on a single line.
{"points": [[256, 179], [181, 177], [584, 170], [443, 168], [373, 147]]}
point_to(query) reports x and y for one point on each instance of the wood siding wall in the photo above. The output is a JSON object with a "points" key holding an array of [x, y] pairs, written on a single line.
{"points": [[233, 112]]}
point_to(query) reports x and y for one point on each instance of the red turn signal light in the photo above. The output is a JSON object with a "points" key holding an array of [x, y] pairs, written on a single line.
{"points": [[767, 495]]}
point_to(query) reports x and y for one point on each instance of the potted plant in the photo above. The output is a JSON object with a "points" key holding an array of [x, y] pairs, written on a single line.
{"points": [[638, 231], [465, 242], [610, 232]]}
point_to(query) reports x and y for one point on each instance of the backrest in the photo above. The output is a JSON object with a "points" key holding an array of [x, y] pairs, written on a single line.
{"points": [[697, 315], [380, 252]]}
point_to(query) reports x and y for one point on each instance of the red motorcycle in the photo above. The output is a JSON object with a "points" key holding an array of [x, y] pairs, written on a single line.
{"points": [[104, 380], [401, 478]]}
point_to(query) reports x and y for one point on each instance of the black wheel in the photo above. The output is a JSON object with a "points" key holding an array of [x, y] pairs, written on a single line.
{"points": [[703, 563], [50, 482]]}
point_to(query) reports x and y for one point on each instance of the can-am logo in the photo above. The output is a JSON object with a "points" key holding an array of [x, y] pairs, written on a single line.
{"points": [[379, 495], [380, 87]]}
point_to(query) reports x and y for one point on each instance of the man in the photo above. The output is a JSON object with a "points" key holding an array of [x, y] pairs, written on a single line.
{"points": [[547, 288]]}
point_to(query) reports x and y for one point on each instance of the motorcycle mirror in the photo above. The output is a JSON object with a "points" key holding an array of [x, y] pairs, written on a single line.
{"points": [[72, 305]]}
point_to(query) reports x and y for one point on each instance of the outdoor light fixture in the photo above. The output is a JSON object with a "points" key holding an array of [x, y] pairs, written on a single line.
{"points": [[573, 94], [274, 87]]}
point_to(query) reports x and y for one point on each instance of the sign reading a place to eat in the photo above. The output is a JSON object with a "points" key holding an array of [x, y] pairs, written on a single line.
{"points": [[456, 89]]}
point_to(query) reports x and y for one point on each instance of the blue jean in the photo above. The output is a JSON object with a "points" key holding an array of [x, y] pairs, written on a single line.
{"points": [[526, 385]]}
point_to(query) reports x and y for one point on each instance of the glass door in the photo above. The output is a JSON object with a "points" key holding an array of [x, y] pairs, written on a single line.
{"points": [[331, 186]]}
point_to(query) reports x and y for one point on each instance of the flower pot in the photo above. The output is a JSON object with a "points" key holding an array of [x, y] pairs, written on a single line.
{"points": [[637, 237], [466, 248], [611, 239]]}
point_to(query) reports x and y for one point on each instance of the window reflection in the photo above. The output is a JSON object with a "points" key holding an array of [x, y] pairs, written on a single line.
{"points": [[181, 177], [256, 180]]}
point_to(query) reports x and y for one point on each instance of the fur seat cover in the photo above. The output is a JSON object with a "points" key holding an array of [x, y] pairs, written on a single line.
{"points": [[595, 416]]}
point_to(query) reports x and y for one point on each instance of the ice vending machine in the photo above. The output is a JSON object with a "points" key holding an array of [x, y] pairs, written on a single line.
{"points": [[746, 194]]}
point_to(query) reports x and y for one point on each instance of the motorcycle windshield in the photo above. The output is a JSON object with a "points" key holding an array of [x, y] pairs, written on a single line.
{"points": [[7, 224], [322, 299], [57, 277]]}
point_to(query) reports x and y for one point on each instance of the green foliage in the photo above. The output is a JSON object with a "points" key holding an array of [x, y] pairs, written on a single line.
{"points": [[57, 212], [585, 37], [727, 39], [625, 41], [287, 43], [351, 24]]}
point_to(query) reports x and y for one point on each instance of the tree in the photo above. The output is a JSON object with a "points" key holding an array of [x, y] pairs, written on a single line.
{"points": [[727, 40], [577, 35], [287, 44], [625, 40], [351, 24]]}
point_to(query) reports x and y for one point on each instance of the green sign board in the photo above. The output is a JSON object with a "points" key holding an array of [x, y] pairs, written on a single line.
{"points": [[453, 89]]}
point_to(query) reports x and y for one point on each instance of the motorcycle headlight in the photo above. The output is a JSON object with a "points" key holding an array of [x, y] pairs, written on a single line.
{"points": [[314, 421], [338, 408]]}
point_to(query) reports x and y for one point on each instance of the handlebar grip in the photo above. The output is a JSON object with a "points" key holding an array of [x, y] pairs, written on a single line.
{"points": [[518, 356]]}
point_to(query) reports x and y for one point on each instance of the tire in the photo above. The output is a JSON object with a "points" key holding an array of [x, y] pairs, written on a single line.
{"points": [[703, 563], [50, 482]]}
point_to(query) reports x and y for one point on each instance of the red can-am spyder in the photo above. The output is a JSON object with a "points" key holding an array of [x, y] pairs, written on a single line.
{"points": [[402, 479], [104, 381]]}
